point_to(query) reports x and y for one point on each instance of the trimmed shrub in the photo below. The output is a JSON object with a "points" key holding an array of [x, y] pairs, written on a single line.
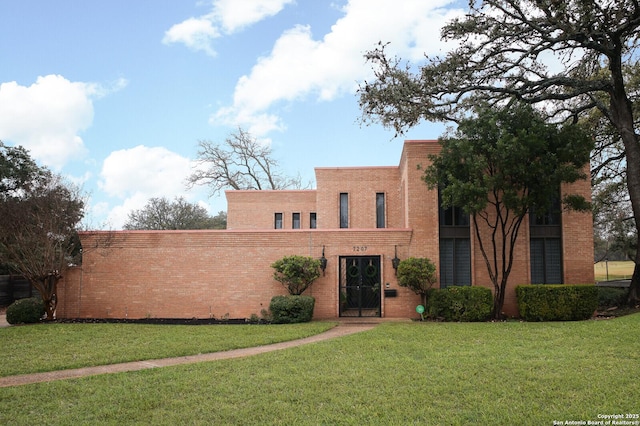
{"points": [[291, 309], [557, 302], [25, 311], [296, 273], [417, 274], [464, 303], [608, 297]]}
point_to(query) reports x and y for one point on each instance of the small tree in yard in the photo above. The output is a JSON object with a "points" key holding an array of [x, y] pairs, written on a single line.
{"points": [[296, 273], [417, 274]]}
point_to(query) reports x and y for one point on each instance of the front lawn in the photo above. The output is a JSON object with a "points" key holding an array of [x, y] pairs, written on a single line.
{"points": [[507, 373], [49, 347]]}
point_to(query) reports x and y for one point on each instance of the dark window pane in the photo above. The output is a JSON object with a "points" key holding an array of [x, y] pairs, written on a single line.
{"points": [[446, 262], [463, 261], [550, 217], [295, 220], [455, 262], [344, 210], [278, 221], [537, 261], [546, 260], [452, 216], [312, 221], [553, 259], [380, 220]]}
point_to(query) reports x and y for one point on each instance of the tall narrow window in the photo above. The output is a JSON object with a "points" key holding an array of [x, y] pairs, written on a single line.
{"points": [[455, 246], [344, 210], [295, 220], [380, 219], [278, 221], [546, 244], [313, 221]]}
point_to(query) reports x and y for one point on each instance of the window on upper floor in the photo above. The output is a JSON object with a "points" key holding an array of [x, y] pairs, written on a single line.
{"points": [[344, 210], [545, 244], [455, 246], [295, 220], [278, 221], [548, 218], [380, 218], [452, 216], [313, 220]]}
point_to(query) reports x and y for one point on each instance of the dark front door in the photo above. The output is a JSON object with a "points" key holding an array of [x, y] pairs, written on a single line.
{"points": [[360, 286]]}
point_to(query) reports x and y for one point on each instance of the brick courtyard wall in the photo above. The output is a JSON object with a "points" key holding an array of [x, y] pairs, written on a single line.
{"points": [[204, 274]]}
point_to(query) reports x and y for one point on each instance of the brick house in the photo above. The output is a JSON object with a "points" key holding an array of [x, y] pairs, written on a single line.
{"points": [[359, 219]]}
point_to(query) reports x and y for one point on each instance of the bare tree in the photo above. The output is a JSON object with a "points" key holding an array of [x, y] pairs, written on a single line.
{"points": [[241, 162], [160, 213]]}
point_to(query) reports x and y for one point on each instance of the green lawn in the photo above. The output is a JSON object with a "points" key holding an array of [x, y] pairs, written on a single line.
{"points": [[48, 347], [507, 373], [613, 270]]}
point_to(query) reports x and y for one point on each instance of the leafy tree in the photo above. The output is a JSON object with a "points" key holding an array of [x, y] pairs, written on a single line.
{"points": [[38, 238], [417, 274], [162, 214], [296, 273], [18, 171], [499, 165], [241, 162], [504, 51]]}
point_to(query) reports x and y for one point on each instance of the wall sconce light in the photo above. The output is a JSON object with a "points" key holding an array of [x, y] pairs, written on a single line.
{"points": [[323, 262], [395, 261]]}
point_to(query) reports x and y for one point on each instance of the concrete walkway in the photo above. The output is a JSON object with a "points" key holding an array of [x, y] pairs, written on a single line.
{"points": [[343, 329]]}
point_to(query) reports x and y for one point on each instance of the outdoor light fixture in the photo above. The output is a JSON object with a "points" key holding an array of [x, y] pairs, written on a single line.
{"points": [[323, 262], [395, 261]]}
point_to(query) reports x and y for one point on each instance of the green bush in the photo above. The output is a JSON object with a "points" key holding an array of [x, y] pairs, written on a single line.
{"points": [[25, 311], [557, 302], [609, 297], [296, 273], [460, 303], [291, 309], [417, 274]]}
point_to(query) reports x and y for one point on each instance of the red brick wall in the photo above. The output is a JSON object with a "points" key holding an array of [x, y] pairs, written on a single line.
{"points": [[199, 274], [256, 209], [361, 184]]}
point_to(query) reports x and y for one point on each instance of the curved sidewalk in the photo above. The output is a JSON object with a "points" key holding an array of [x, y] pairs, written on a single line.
{"points": [[343, 329]]}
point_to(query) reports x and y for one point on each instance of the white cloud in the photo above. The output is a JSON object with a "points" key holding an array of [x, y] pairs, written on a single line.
{"points": [[300, 66], [195, 33], [137, 174], [234, 15], [226, 17], [48, 117]]}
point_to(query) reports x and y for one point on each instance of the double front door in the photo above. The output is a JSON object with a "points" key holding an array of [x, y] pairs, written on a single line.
{"points": [[360, 286]]}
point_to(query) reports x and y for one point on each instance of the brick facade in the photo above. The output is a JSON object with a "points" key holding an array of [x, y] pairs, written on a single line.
{"points": [[204, 274]]}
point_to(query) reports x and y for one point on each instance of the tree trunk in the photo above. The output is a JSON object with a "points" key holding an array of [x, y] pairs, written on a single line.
{"points": [[622, 119], [498, 300], [47, 287]]}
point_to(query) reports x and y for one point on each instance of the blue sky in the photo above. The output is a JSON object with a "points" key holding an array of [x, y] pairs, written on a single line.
{"points": [[115, 95]]}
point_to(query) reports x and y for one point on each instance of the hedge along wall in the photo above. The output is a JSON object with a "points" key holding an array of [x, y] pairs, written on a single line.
{"points": [[557, 302], [203, 274]]}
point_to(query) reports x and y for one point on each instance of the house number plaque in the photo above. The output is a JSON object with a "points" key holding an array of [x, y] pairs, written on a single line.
{"points": [[359, 248]]}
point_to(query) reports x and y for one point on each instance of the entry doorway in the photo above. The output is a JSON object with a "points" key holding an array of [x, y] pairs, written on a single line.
{"points": [[360, 286]]}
